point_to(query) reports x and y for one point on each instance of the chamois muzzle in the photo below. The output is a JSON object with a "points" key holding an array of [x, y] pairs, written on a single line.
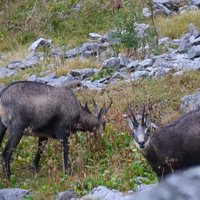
{"points": [[142, 144]]}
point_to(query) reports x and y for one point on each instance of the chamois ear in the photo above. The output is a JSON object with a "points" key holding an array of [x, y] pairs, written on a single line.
{"points": [[147, 122], [130, 123]]}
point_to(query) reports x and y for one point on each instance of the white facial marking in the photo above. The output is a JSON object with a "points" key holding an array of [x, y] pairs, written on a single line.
{"points": [[141, 138]]}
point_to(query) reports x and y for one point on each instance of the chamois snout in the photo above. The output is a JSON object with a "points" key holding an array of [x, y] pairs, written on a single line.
{"points": [[98, 129], [140, 131], [142, 144], [97, 122]]}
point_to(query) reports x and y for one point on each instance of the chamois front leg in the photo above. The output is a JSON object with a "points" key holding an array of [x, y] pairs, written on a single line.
{"points": [[2, 131], [16, 133], [42, 141]]}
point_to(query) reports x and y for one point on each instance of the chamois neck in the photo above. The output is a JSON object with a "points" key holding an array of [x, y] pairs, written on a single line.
{"points": [[149, 151]]}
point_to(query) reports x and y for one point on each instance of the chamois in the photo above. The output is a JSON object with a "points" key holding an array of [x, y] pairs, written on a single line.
{"points": [[174, 146], [37, 109]]}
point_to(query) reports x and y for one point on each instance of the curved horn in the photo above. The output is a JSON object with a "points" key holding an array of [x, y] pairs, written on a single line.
{"points": [[104, 109], [96, 110], [143, 113], [133, 119]]}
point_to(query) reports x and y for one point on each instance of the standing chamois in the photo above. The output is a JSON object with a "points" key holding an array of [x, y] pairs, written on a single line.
{"points": [[174, 146], [46, 112]]}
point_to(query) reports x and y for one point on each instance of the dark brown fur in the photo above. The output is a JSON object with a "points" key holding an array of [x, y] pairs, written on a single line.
{"points": [[175, 146], [45, 111]]}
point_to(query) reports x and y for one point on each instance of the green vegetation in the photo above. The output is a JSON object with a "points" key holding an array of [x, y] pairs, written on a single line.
{"points": [[176, 26], [103, 73], [114, 161]]}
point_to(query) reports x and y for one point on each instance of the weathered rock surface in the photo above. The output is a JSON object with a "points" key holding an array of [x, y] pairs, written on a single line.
{"points": [[178, 186], [86, 72], [194, 3], [13, 194], [103, 193], [194, 52], [5, 72], [67, 195], [190, 102], [39, 42], [185, 58]]}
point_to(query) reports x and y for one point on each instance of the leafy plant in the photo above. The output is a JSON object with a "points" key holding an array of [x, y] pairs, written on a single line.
{"points": [[102, 74], [126, 32], [125, 29]]}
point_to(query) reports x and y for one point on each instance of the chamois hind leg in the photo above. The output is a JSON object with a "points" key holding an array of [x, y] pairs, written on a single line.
{"points": [[65, 146], [2, 131], [15, 135], [42, 141], [63, 136]]}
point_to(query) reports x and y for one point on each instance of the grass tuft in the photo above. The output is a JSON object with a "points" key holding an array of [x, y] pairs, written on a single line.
{"points": [[177, 25]]}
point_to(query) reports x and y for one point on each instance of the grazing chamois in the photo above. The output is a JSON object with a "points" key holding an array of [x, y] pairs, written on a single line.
{"points": [[174, 146], [37, 109]]}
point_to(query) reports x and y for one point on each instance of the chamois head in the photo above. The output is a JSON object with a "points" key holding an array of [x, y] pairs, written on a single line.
{"points": [[93, 122], [140, 131]]}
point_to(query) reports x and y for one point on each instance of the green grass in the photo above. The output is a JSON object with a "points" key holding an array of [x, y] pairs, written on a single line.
{"points": [[113, 161], [55, 20], [177, 25]]}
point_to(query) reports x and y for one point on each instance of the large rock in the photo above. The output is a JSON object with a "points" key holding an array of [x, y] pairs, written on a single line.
{"points": [[190, 102], [195, 40], [89, 47], [14, 194], [5, 72], [194, 52], [103, 193], [172, 5], [185, 44], [39, 42], [73, 52], [159, 72], [113, 62], [86, 72], [67, 195], [139, 74], [176, 61], [95, 85], [145, 63], [14, 64], [161, 9], [178, 186], [195, 3], [189, 39]]}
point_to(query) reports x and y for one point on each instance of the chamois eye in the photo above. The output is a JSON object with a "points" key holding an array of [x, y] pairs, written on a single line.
{"points": [[133, 134]]}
